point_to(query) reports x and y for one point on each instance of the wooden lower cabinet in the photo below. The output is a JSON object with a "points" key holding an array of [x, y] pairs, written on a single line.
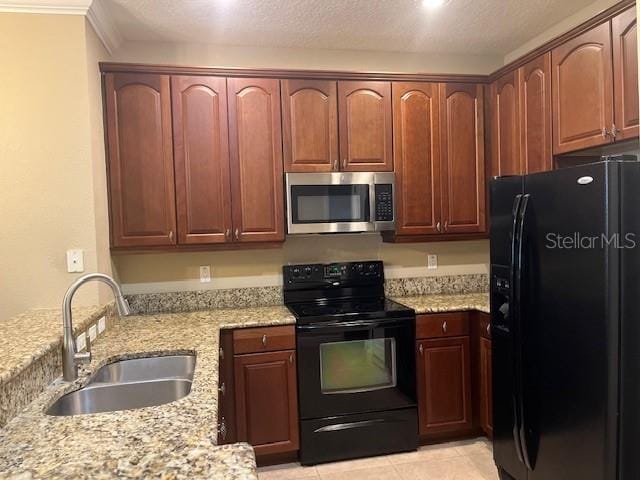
{"points": [[267, 401], [444, 385]]}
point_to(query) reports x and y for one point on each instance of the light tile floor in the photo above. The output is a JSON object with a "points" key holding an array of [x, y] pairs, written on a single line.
{"points": [[465, 460]]}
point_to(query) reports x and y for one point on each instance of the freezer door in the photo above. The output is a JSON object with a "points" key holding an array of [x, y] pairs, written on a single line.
{"points": [[569, 333]]}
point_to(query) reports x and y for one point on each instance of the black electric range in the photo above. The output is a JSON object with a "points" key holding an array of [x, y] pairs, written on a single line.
{"points": [[356, 362]]}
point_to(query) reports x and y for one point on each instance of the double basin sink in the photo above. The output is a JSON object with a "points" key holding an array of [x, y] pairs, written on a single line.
{"points": [[130, 384]]}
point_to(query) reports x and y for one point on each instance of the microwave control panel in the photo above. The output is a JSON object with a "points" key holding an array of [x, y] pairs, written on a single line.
{"points": [[384, 202]]}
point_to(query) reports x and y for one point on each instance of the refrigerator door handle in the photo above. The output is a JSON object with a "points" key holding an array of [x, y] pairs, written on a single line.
{"points": [[519, 340], [512, 312]]}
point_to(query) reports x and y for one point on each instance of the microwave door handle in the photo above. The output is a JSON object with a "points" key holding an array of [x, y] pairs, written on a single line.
{"points": [[372, 204]]}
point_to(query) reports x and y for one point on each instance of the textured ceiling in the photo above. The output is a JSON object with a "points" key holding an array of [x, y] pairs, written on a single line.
{"points": [[461, 26]]}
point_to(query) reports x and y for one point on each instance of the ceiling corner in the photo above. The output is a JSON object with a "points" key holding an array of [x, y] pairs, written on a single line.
{"points": [[104, 26]]}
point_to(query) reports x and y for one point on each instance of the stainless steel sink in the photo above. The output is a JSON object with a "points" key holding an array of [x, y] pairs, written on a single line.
{"points": [[130, 384]]}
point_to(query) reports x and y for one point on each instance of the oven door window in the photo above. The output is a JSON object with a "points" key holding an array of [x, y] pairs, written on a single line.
{"points": [[358, 366], [329, 203]]}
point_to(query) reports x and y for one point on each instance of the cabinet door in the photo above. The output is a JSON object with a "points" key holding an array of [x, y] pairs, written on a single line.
{"points": [[364, 113], [625, 72], [505, 140], [486, 400], [462, 158], [201, 152], [267, 401], [255, 146], [534, 80], [444, 385], [583, 91], [141, 183], [416, 153], [310, 125]]}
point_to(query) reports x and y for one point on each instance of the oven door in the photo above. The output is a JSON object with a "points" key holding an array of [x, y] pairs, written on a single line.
{"points": [[330, 202], [356, 367]]}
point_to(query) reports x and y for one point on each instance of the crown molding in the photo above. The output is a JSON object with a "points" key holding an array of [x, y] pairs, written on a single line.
{"points": [[104, 26], [59, 7]]}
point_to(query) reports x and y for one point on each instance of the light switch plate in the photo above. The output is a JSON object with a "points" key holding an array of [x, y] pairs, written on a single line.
{"points": [[75, 260], [432, 262], [102, 324], [205, 274], [81, 342], [93, 332]]}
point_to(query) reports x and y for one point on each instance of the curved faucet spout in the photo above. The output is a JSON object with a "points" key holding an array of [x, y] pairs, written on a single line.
{"points": [[70, 358]]}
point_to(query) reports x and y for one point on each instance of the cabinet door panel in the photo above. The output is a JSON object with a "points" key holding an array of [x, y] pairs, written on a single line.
{"points": [[310, 123], [444, 385], [255, 145], [267, 402], [364, 113], [141, 183], [486, 382], [625, 70], [417, 157], [203, 189], [462, 158], [505, 142], [535, 115], [583, 91]]}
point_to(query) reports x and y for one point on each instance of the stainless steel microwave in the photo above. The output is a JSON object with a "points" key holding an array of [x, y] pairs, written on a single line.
{"points": [[340, 202]]}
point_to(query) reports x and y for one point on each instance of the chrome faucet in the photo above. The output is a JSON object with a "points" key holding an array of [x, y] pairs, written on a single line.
{"points": [[70, 358]]}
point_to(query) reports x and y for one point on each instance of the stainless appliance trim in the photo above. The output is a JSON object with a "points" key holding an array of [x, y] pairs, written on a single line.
{"points": [[341, 178]]}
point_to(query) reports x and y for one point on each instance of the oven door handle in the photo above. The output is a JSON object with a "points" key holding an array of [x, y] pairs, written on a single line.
{"points": [[353, 324]]}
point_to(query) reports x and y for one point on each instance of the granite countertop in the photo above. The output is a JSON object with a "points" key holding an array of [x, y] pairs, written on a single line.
{"points": [[446, 303], [171, 441]]}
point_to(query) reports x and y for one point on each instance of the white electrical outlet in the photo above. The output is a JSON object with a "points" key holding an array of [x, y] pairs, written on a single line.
{"points": [[432, 262], [93, 332], [81, 342], [75, 260], [205, 274], [102, 324]]}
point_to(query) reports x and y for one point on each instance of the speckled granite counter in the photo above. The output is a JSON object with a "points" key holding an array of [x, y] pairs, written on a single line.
{"points": [[171, 441], [446, 303]]}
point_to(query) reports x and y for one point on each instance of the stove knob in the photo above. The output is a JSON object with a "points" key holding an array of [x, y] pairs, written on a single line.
{"points": [[307, 271], [295, 272]]}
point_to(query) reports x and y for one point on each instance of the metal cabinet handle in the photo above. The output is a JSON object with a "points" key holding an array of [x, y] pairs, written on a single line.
{"points": [[335, 164], [171, 235], [264, 340], [488, 329], [222, 388], [614, 131], [291, 359], [438, 227], [227, 233], [237, 232], [444, 327], [421, 349], [222, 429], [344, 163], [446, 225], [604, 133], [221, 353]]}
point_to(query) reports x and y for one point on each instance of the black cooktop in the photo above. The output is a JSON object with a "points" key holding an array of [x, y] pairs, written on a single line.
{"points": [[348, 310]]}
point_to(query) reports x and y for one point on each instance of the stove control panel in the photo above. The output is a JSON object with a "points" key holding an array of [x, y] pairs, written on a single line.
{"points": [[338, 273]]}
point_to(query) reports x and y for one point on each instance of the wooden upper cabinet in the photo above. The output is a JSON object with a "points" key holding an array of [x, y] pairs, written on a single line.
{"points": [[534, 81], [505, 140], [364, 112], [255, 146], [201, 154], [267, 401], [583, 91], [625, 73], [416, 157], [140, 160], [310, 125], [462, 158]]}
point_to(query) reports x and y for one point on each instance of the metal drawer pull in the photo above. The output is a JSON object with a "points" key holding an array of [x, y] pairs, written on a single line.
{"points": [[222, 389], [348, 426], [291, 359], [264, 340], [221, 353], [222, 429], [421, 349], [444, 327]]}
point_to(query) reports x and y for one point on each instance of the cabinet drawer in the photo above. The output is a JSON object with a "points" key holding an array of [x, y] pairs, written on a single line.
{"points": [[264, 339], [485, 325], [441, 325]]}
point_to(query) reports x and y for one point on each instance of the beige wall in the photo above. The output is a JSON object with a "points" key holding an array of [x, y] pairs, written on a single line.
{"points": [[258, 57], [48, 151], [559, 28]]}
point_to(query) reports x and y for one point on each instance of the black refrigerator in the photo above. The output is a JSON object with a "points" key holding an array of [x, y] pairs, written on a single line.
{"points": [[565, 303]]}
